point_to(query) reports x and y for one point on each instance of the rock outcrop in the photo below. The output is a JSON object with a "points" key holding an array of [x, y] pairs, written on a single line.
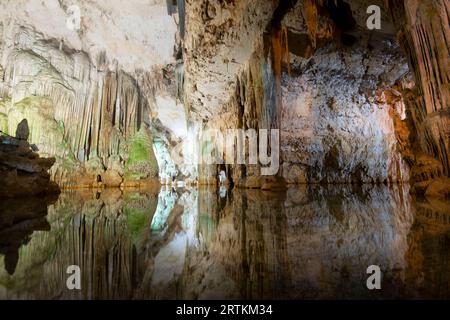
{"points": [[22, 172], [423, 31], [353, 105]]}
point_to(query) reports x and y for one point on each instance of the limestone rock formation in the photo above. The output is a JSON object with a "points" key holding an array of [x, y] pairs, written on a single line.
{"points": [[333, 98], [22, 172], [119, 101], [18, 220], [424, 34], [23, 131], [88, 94]]}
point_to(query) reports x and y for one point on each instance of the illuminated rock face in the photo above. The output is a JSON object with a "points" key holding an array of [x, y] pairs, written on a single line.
{"points": [[424, 34], [75, 112], [86, 93], [348, 108], [334, 94], [340, 127], [220, 38], [140, 78], [136, 35]]}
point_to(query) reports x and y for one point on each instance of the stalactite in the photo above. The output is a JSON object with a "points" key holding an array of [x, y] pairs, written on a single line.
{"points": [[280, 49], [109, 107], [423, 32], [100, 238], [182, 16], [311, 17], [179, 78]]}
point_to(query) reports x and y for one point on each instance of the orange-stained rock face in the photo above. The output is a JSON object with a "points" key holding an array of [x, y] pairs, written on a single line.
{"points": [[424, 34]]}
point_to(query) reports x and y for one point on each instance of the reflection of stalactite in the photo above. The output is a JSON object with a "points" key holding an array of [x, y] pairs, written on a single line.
{"points": [[264, 246], [279, 54]]}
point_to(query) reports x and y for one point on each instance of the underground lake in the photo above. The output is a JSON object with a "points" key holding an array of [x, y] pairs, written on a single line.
{"points": [[309, 242]]}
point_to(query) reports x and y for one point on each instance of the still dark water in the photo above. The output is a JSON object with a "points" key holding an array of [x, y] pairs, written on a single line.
{"points": [[306, 243]]}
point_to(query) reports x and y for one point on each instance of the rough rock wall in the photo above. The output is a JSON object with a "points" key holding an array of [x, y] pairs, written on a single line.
{"points": [[424, 34], [138, 34], [338, 123], [108, 228], [87, 93], [77, 112], [231, 64], [333, 90], [220, 37], [22, 172]]}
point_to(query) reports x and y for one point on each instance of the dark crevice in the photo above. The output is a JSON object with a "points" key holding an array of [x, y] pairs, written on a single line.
{"points": [[341, 14], [283, 8]]}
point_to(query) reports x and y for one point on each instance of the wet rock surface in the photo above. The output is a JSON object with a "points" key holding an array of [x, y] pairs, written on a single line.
{"points": [[424, 33], [22, 171]]}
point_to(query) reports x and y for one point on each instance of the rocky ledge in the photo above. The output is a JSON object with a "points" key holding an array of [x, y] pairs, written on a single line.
{"points": [[22, 171]]}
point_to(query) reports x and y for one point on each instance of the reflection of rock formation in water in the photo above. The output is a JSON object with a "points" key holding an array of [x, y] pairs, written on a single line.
{"points": [[101, 233], [305, 243], [429, 250], [170, 248], [89, 109], [341, 233], [18, 220], [348, 107], [264, 245]]}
